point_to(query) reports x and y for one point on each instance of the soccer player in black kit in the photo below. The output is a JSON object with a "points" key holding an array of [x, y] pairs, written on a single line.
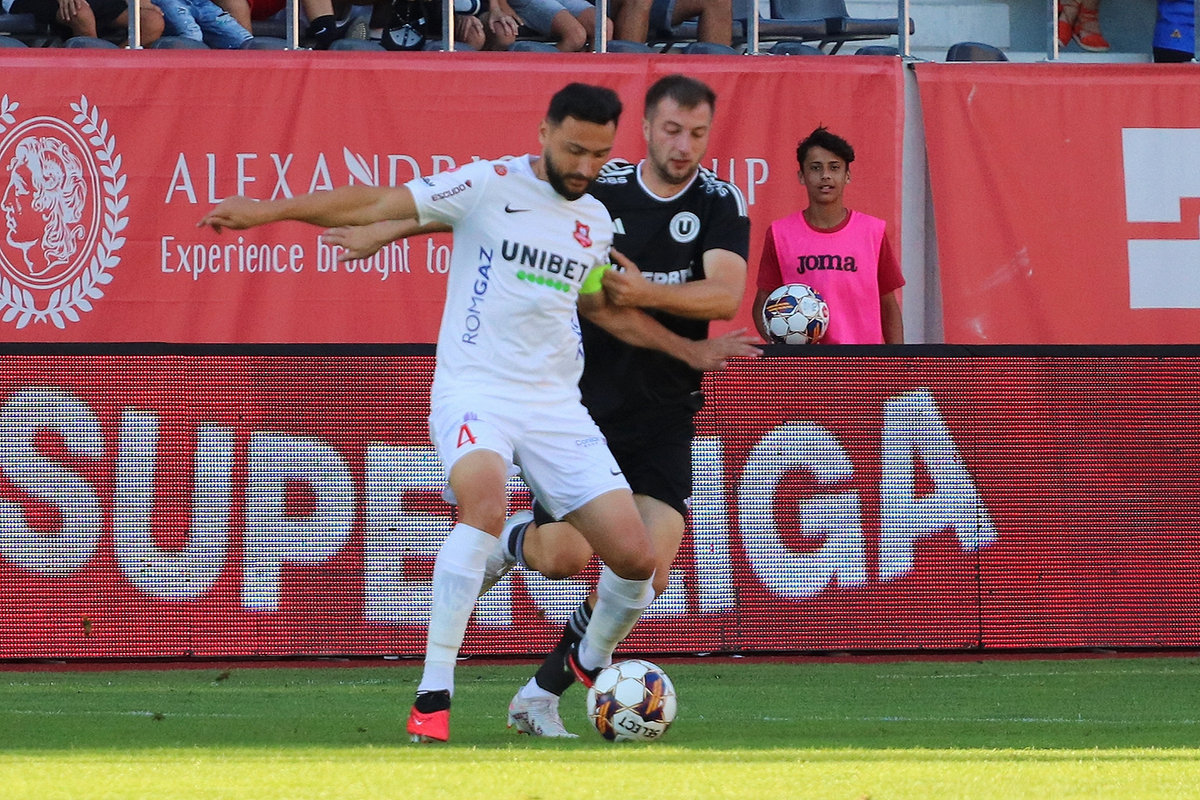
{"points": [[682, 240], [689, 236]]}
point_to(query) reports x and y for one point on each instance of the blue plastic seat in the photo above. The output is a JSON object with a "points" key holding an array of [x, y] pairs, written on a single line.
{"points": [[178, 43], [975, 51], [265, 43], [795, 49], [90, 43]]}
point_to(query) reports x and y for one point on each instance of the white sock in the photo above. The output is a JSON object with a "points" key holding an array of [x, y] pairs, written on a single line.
{"points": [[457, 576], [532, 691], [619, 603]]}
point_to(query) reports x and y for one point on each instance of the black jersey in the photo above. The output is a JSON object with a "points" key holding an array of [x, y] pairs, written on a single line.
{"points": [[667, 240]]}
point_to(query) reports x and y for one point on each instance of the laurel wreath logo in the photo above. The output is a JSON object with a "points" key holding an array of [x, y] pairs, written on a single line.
{"points": [[65, 303]]}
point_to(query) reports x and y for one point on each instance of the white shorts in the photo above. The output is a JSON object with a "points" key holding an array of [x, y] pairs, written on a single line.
{"points": [[557, 449]]}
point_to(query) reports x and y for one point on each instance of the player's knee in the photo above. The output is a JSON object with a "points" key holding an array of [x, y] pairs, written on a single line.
{"points": [[564, 565], [486, 516], [634, 565]]}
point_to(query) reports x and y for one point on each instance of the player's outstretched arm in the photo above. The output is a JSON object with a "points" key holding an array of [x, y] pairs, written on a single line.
{"points": [[345, 205], [639, 329], [364, 241], [717, 296]]}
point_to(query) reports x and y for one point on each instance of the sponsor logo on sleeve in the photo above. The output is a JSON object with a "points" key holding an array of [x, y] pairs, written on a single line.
{"points": [[462, 187]]}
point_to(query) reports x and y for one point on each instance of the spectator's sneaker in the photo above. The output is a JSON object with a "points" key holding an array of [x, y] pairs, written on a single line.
{"points": [[1087, 32], [355, 23], [500, 561], [537, 716], [585, 676], [429, 720]]}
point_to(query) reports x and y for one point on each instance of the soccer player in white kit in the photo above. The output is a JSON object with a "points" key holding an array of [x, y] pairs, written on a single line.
{"points": [[505, 394]]}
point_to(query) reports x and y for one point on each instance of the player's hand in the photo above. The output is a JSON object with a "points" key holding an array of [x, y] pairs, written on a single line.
{"points": [[237, 213], [626, 286], [712, 354], [358, 241]]}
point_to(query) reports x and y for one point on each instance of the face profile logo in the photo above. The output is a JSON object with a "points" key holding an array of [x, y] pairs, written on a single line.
{"points": [[61, 212]]}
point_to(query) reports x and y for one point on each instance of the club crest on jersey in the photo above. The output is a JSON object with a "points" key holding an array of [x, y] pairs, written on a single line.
{"points": [[685, 226], [582, 234]]}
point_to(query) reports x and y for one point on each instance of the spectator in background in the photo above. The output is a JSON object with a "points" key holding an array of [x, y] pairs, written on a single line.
{"points": [[1175, 31], [203, 21], [637, 19], [323, 27], [95, 18], [493, 29], [844, 255], [571, 24], [411, 24], [1080, 20]]}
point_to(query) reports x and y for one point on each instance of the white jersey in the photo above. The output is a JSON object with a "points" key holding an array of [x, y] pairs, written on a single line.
{"points": [[521, 251]]}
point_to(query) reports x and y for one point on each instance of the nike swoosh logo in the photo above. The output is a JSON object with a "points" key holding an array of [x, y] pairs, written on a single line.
{"points": [[615, 471], [512, 210]]}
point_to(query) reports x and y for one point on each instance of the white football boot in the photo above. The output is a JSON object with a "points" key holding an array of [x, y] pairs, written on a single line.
{"points": [[537, 716]]}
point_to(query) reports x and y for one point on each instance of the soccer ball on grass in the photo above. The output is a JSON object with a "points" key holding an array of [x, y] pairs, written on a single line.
{"points": [[631, 701], [795, 314]]}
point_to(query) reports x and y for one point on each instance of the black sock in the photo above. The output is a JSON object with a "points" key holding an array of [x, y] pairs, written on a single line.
{"points": [[554, 675], [324, 31], [516, 544], [428, 702]]}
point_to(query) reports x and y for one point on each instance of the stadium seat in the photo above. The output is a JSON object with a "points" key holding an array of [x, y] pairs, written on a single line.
{"points": [[178, 43], [90, 43], [437, 45], [356, 44], [975, 51], [877, 50], [840, 27], [768, 29], [265, 43], [795, 49], [19, 24], [709, 49], [626, 46], [532, 46], [269, 27], [9, 41]]}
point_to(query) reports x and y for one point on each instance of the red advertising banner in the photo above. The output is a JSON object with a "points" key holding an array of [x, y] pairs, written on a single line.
{"points": [[107, 163], [1066, 201], [229, 505]]}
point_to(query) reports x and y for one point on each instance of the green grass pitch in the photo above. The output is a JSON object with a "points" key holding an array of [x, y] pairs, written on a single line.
{"points": [[1080, 728]]}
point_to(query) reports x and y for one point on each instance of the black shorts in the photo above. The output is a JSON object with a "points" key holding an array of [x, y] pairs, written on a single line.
{"points": [[655, 455]]}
